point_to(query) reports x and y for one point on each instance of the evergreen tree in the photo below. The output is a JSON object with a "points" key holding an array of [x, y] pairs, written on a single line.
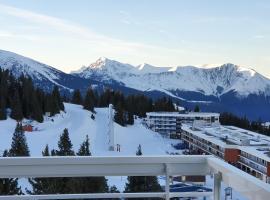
{"points": [[197, 108], [43, 185], [130, 118], [113, 189], [16, 108], [9, 186], [119, 115], [27, 91], [3, 95], [19, 145], [55, 104], [76, 97], [36, 109], [142, 183], [55, 185], [87, 184], [3, 113], [65, 145], [46, 151], [139, 151], [89, 100], [57, 97], [85, 148]]}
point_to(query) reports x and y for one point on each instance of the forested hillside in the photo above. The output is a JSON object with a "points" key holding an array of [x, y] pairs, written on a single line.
{"points": [[20, 99]]}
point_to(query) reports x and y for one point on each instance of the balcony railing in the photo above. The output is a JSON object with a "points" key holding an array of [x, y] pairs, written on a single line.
{"points": [[29, 167]]}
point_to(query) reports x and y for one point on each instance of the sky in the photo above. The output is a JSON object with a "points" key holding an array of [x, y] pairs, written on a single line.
{"points": [[70, 34]]}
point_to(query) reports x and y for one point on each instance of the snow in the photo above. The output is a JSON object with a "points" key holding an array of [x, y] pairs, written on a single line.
{"points": [[214, 81], [235, 195], [209, 81], [79, 124], [19, 64]]}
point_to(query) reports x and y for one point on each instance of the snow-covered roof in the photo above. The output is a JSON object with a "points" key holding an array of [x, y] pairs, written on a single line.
{"points": [[266, 124], [234, 137], [188, 114]]}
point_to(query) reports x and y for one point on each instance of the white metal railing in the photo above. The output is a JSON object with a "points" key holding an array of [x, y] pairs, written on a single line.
{"points": [[28, 167]]}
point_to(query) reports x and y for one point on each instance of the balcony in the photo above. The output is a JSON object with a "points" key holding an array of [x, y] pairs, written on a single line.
{"points": [[253, 165], [28, 167]]}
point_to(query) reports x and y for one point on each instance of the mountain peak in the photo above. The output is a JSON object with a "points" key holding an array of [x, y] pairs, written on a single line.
{"points": [[99, 63]]}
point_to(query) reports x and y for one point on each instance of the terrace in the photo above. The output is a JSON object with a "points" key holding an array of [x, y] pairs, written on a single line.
{"points": [[29, 167]]}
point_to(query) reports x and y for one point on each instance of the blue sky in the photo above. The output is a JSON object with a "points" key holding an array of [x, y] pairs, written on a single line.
{"points": [[69, 34]]}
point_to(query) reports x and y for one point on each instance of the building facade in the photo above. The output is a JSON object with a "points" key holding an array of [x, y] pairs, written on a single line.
{"points": [[244, 149], [167, 123], [202, 134]]}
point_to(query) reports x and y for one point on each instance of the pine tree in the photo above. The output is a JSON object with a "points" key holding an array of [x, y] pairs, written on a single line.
{"points": [[85, 148], [43, 185], [55, 104], [36, 109], [119, 115], [113, 189], [57, 97], [9, 186], [27, 95], [139, 151], [65, 145], [89, 100], [46, 151], [87, 184], [19, 145], [76, 97], [3, 96], [142, 183], [55, 185], [16, 108], [3, 113], [130, 118], [197, 108]]}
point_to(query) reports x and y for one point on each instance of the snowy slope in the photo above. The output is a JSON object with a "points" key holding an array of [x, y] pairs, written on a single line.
{"points": [[208, 81], [18, 65], [79, 124], [43, 76]]}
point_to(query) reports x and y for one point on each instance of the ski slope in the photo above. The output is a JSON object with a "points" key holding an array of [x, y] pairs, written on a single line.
{"points": [[79, 124]]}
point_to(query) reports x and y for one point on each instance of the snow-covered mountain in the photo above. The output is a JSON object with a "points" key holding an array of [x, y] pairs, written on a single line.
{"points": [[227, 87], [214, 81], [43, 75]]}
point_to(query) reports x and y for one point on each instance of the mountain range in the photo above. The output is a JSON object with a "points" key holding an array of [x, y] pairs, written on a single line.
{"points": [[228, 87]]}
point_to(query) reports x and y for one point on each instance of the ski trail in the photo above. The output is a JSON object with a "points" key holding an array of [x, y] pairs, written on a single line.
{"points": [[101, 136]]}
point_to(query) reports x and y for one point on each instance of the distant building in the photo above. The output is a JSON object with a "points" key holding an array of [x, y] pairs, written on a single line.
{"points": [[248, 151], [167, 123], [203, 134], [27, 128], [266, 125]]}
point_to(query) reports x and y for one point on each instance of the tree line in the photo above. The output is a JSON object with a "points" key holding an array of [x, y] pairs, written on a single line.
{"points": [[243, 122], [126, 107], [67, 185], [20, 99]]}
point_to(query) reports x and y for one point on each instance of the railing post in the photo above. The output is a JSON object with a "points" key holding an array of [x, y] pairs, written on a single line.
{"points": [[217, 186], [167, 187]]}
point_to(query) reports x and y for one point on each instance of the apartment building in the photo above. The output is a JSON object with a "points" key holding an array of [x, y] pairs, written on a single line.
{"points": [[244, 149], [167, 123]]}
